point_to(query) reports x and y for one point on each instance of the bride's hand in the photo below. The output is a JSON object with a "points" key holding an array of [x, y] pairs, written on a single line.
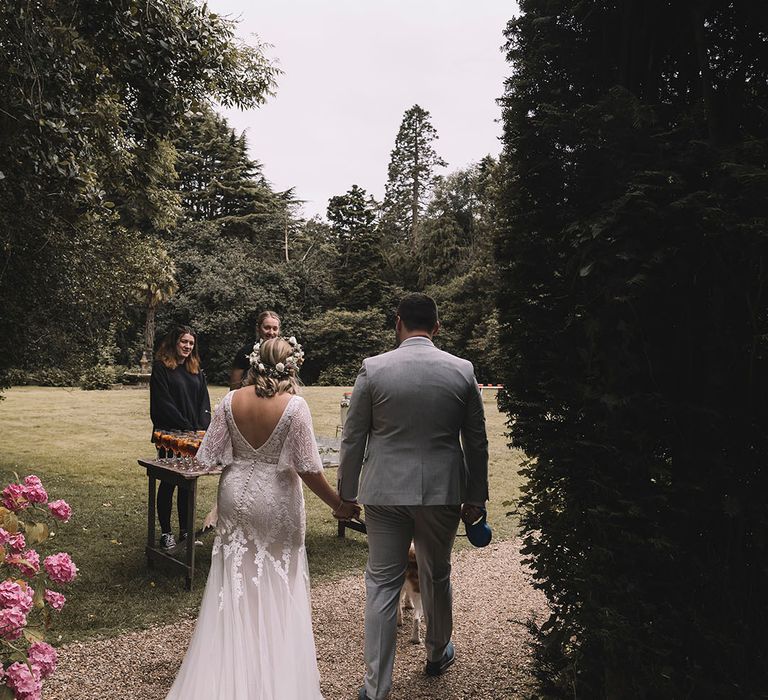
{"points": [[347, 510]]}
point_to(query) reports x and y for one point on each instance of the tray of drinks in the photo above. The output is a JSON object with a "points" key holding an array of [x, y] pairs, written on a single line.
{"points": [[179, 443]]}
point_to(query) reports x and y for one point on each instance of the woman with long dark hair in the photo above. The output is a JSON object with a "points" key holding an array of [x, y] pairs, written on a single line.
{"points": [[178, 400]]}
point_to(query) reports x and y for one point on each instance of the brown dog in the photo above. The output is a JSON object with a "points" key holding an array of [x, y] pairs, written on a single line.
{"points": [[410, 596]]}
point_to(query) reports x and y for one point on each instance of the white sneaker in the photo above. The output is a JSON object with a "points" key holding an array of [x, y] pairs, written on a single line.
{"points": [[167, 541]]}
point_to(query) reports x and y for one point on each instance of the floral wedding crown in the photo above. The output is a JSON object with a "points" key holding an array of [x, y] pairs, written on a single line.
{"points": [[281, 370]]}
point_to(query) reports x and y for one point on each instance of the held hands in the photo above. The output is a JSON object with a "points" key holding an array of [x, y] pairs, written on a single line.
{"points": [[346, 510]]}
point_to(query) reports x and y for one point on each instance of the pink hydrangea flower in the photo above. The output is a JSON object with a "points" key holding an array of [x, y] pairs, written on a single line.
{"points": [[27, 562], [60, 568], [15, 595], [43, 657], [33, 490], [13, 540], [54, 599], [14, 498], [16, 542], [25, 684], [60, 510], [12, 621]]}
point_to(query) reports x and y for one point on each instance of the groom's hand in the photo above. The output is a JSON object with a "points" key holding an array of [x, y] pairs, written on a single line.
{"points": [[347, 510], [471, 513]]}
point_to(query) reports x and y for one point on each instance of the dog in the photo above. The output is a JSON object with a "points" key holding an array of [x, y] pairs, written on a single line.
{"points": [[410, 597]]}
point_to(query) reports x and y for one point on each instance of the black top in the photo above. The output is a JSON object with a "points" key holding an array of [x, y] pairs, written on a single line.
{"points": [[178, 400], [241, 360]]}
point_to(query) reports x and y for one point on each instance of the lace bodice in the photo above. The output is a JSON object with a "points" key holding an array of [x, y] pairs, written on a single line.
{"points": [[291, 445]]}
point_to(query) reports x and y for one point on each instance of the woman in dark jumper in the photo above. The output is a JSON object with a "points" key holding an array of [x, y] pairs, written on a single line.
{"points": [[178, 400]]}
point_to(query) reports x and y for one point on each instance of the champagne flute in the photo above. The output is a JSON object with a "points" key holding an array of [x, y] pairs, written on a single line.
{"points": [[162, 444], [170, 448], [186, 451], [156, 435]]}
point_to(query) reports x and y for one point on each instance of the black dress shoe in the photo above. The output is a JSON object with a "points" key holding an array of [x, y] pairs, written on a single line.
{"points": [[361, 695], [435, 668]]}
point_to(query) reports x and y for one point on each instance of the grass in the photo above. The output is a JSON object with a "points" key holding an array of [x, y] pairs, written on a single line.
{"points": [[84, 446]]}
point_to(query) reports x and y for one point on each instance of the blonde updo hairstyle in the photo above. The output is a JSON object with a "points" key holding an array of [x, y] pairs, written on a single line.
{"points": [[272, 352]]}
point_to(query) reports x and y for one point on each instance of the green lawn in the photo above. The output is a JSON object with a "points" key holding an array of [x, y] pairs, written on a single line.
{"points": [[84, 445]]}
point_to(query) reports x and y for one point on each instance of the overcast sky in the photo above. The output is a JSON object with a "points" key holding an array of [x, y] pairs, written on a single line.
{"points": [[352, 68]]}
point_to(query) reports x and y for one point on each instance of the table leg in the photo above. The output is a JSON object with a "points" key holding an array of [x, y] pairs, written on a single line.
{"points": [[151, 517], [341, 527], [190, 557]]}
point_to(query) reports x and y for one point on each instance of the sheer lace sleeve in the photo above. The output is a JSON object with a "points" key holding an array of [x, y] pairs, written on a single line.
{"points": [[216, 447], [300, 448]]}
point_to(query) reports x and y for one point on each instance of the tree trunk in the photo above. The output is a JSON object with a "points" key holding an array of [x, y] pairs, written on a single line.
{"points": [[415, 189], [707, 93], [149, 331], [286, 236]]}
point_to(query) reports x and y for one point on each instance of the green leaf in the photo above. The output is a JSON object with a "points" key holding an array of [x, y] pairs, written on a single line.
{"points": [[39, 598], [18, 656], [8, 521], [33, 635], [36, 533]]}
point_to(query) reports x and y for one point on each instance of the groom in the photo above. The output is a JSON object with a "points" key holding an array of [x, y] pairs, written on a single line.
{"points": [[415, 453]]}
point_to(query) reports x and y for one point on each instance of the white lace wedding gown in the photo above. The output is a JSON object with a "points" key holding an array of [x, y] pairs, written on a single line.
{"points": [[253, 639]]}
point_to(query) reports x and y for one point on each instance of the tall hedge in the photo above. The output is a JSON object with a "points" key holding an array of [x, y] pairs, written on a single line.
{"points": [[633, 260]]}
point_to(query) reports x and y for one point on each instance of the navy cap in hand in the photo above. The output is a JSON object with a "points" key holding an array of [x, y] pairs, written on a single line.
{"points": [[479, 533]]}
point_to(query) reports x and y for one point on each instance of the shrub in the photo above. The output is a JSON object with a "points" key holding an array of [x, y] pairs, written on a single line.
{"points": [[339, 375], [337, 341], [17, 377], [98, 377], [28, 599], [53, 376]]}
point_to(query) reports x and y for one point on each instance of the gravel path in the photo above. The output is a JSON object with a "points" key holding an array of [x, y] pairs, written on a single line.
{"points": [[492, 598]]}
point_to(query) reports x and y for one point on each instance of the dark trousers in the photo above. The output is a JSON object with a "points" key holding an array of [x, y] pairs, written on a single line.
{"points": [[390, 531], [165, 503]]}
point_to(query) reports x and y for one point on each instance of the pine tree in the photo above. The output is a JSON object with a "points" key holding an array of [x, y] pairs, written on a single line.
{"points": [[232, 250], [359, 272], [219, 182], [410, 174]]}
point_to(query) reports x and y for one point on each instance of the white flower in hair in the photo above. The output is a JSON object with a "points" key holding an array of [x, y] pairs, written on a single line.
{"points": [[281, 369]]}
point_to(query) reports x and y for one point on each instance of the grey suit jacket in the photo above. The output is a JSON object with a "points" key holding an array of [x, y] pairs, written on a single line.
{"points": [[415, 431]]}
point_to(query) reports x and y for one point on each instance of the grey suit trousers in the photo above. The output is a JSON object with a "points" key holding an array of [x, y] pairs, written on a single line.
{"points": [[390, 531]]}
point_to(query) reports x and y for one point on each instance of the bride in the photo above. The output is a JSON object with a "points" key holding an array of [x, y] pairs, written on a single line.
{"points": [[253, 639]]}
